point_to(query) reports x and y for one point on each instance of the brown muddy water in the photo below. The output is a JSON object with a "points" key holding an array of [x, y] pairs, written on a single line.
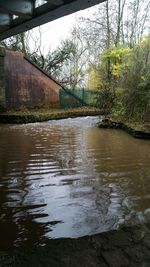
{"points": [[68, 178]]}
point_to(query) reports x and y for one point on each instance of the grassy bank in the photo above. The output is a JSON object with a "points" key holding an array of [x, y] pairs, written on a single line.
{"points": [[26, 116]]}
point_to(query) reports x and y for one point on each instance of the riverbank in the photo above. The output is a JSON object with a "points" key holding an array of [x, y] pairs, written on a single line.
{"points": [[27, 116], [137, 130], [129, 246]]}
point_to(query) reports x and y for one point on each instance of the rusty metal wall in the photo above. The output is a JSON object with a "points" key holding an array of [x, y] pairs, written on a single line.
{"points": [[2, 79], [26, 85]]}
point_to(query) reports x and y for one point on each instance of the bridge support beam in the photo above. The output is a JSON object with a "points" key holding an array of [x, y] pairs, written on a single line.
{"points": [[23, 15], [19, 8], [5, 19]]}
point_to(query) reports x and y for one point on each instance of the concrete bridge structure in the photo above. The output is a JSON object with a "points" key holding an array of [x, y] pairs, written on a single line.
{"points": [[17, 16]]}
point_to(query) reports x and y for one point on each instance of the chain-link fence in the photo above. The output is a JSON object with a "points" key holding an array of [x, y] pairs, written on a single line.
{"points": [[70, 98]]}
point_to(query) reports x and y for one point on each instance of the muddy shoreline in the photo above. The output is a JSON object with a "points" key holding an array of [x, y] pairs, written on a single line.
{"points": [[135, 131], [129, 246]]}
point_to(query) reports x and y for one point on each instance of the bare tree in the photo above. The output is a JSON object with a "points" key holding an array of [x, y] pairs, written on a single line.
{"points": [[68, 62], [137, 21], [120, 11]]}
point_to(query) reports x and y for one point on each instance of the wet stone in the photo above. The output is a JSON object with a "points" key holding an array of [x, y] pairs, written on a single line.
{"points": [[87, 258], [98, 242], [116, 258], [101, 250], [138, 234], [146, 241], [6, 260], [118, 239], [136, 254]]}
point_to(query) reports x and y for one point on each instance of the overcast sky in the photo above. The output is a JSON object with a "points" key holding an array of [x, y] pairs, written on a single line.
{"points": [[57, 30]]}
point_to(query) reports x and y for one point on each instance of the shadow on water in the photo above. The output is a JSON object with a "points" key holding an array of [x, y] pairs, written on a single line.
{"points": [[68, 179]]}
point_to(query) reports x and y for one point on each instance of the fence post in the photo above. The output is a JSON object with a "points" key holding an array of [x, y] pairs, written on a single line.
{"points": [[60, 97], [83, 97]]}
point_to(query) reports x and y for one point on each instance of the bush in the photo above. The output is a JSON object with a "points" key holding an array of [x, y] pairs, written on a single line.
{"points": [[118, 110], [105, 98], [136, 82]]}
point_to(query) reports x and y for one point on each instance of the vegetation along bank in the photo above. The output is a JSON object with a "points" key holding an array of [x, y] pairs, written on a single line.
{"points": [[27, 116]]}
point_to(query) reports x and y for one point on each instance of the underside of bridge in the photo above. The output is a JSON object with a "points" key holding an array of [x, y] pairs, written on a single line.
{"points": [[17, 16]]}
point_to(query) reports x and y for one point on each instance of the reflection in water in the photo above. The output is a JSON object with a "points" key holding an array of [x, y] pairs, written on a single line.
{"points": [[69, 178]]}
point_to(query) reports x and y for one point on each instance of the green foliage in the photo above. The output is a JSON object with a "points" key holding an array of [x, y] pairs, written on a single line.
{"points": [[106, 76], [118, 110], [2, 109], [125, 92], [94, 79], [116, 57], [136, 82]]}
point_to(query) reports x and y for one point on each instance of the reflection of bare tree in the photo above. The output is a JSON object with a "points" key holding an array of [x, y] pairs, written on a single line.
{"points": [[65, 153], [22, 154], [89, 178], [124, 175]]}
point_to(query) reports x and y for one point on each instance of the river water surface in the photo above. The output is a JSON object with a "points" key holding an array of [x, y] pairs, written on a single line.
{"points": [[68, 178]]}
